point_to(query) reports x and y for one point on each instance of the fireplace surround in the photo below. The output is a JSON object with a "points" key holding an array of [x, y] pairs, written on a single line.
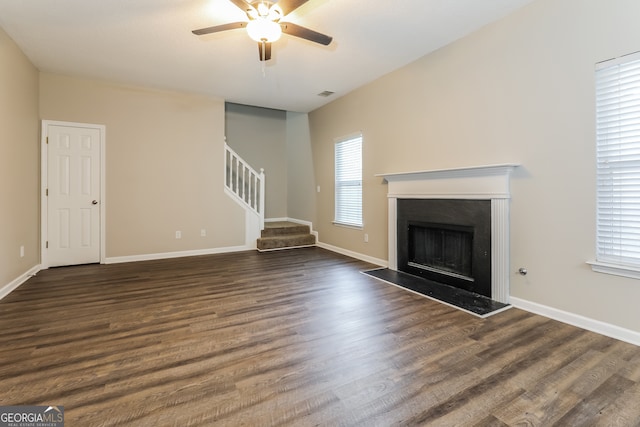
{"points": [[446, 241], [455, 188]]}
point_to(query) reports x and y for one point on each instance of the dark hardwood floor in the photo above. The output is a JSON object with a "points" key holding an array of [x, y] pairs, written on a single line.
{"points": [[297, 337]]}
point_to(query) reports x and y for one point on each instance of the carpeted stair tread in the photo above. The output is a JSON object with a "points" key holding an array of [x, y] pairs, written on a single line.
{"points": [[291, 241], [282, 234], [282, 228]]}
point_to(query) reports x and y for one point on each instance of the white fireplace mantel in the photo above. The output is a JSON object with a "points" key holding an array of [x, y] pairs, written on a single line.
{"points": [[488, 182], [484, 182]]}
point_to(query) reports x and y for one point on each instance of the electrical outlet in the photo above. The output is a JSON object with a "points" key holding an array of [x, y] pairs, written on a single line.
{"points": [[178, 234], [318, 188], [203, 233], [366, 238], [22, 251]]}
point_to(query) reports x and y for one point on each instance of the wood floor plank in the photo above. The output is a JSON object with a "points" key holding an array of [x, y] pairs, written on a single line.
{"points": [[294, 338], [625, 410], [589, 409]]}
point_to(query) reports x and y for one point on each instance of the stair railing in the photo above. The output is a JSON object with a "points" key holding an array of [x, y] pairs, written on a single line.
{"points": [[245, 183]]}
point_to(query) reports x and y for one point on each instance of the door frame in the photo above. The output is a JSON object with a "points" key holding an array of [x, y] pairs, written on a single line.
{"points": [[44, 184]]}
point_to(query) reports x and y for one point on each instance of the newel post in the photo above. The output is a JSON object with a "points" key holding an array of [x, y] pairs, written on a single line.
{"points": [[262, 195]]}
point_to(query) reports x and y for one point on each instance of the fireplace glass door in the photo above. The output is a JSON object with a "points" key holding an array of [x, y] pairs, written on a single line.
{"points": [[443, 249]]}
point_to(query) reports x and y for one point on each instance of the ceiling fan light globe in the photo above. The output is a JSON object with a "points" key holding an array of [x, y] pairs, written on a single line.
{"points": [[264, 30]]}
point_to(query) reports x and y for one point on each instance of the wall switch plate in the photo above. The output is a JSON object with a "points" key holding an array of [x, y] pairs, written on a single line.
{"points": [[203, 233], [21, 251], [366, 238], [318, 188], [178, 234]]}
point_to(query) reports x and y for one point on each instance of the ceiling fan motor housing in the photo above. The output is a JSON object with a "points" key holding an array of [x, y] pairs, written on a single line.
{"points": [[265, 9]]}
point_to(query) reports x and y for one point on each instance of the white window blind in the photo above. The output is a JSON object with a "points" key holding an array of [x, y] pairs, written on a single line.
{"points": [[618, 161], [348, 176]]}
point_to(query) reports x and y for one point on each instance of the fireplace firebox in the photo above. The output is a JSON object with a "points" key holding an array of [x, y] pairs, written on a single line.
{"points": [[446, 241], [440, 248]]}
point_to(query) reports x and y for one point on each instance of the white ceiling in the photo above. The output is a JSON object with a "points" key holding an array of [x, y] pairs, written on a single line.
{"points": [[149, 42]]}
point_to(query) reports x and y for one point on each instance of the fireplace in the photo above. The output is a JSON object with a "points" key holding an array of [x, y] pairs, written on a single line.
{"points": [[446, 241], [451, 226]]}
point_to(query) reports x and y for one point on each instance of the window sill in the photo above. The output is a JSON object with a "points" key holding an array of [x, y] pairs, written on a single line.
{"points": [[353, 226], [615, 269]]}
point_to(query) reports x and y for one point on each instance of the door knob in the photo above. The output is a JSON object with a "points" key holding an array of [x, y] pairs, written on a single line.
{"points": [[95, 202]]}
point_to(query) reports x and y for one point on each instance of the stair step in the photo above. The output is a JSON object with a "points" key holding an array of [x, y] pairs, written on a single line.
{"points": [[286, 241], [282, 228], [284, 234]]}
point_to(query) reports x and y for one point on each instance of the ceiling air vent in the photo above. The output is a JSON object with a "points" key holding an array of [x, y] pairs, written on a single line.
{"points": [[326, 93]]}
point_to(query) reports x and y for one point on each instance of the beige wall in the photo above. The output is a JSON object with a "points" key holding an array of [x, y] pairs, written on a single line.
{"points": [[301, 186], [19, 160], [279, 142], [164, 164], [520, 90], [259, 135]]}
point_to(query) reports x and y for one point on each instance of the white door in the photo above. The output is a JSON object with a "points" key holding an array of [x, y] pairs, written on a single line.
{"points": [[73, 195]]}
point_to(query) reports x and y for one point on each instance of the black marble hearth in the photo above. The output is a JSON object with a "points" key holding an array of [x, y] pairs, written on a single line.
{"points": [[472, 302]]}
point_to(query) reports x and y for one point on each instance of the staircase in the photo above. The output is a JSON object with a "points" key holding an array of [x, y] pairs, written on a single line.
{"points": [[246, 186], [283, 235]]}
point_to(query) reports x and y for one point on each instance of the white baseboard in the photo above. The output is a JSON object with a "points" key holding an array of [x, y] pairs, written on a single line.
{"points": [[13, 285], [617, 332], [362, 257], [276, 219], [179, 254]]}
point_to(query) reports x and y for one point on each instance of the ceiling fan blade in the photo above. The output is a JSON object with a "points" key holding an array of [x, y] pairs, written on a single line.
{"points": [[243, 5], [266, 54], [305, 33], [289, 6], [218, 28]]}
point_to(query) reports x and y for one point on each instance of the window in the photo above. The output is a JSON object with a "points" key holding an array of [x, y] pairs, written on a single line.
{"points": [[618, 166], [348, 170]]}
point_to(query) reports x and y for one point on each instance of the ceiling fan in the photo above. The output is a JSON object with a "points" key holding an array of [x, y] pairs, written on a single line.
{"points": [[265, 24]]}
